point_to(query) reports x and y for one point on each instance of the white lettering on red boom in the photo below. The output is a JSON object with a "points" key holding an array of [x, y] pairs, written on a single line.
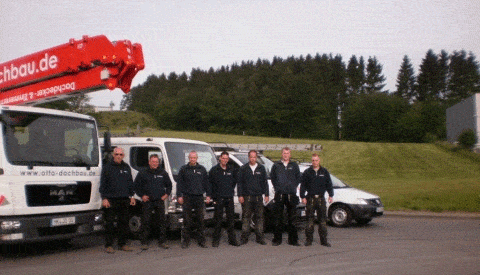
{"points": [[12, 72]]}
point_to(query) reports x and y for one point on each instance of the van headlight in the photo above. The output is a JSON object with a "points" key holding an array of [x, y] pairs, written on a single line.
{"points": [[361, 201], [99, 217]]}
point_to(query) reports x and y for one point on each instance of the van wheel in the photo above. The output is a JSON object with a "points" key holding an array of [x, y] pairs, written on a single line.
{"points": [[340, 216]]}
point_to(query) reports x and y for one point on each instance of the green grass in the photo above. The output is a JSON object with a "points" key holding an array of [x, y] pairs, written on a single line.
{"points": [[406, 176]]}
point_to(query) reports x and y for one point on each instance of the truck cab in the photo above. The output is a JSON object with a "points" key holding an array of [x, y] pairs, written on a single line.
{"points": [[173, 154]]}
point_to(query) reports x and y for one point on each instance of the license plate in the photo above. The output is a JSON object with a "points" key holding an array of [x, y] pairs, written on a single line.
{"points": [[62, 221], [379, 209]]}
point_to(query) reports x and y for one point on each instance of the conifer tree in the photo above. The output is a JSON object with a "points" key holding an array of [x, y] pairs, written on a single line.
{"points": [[375, 79], [406, 80]]}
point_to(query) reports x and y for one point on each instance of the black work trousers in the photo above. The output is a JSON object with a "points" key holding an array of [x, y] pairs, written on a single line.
{"points": [[318, 204], [288, 201], [116, 213], [193, 218], [153, 217], [252, 206], [222, 204]]}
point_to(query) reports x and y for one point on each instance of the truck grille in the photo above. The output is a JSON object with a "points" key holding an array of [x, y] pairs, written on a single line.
{"points": [[58, 194], [60, 230]]}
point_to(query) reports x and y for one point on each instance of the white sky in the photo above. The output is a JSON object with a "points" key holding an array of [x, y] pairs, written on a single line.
{"points": [[181, 35]]}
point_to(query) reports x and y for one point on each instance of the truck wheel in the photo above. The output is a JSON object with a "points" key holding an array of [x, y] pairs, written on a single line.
{"points": [[135, 225], [340, 216]]}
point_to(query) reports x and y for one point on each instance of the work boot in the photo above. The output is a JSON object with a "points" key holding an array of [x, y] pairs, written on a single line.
{"points": [[327, 244], [243, 240], [233, 242], [126, 248], [276, 242], [262, 242], [163, 245], [109, 250], [144, 247]]}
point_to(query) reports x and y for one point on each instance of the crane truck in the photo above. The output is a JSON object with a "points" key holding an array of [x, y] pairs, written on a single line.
{"points": [[50, 160]]}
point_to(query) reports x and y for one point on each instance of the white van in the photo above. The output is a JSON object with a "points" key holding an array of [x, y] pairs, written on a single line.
{"points": [[173, 153], [349, 204]]}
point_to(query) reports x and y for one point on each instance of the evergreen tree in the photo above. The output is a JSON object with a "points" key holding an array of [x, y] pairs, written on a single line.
{"points": [[430, 79], [464, 76], [406, 81], [355, 76], [375, 79]]}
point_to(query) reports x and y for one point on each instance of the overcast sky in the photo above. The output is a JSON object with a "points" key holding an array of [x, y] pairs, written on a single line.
{"points": [[177, 36]]}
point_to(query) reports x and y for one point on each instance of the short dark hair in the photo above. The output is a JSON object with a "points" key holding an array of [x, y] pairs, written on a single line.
{"points": [[224, 153]]}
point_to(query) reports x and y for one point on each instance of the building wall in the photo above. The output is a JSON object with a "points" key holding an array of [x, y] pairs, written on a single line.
{"points": [[462, 116]]}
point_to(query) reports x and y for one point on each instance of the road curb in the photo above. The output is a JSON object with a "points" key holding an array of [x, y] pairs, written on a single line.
{"points": [[427, 214]]}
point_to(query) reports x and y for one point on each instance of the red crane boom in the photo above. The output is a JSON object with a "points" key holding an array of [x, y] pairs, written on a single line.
{"points": [[76, 67]]}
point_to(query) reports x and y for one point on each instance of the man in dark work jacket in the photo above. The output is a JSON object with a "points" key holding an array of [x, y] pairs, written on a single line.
{"points": [[252, 185], [286, 177], [153, 186], [192, 184], [116, 189], [223, 180], [316, 181]]}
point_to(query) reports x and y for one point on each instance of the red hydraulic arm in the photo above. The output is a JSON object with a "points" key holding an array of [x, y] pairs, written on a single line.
{"points": [[79, 66]]}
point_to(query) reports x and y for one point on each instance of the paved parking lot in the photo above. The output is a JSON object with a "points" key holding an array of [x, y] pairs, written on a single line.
{"points": [[389, 245]]}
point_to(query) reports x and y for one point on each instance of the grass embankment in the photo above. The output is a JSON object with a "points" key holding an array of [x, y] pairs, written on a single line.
{"points": [[405, 176]]}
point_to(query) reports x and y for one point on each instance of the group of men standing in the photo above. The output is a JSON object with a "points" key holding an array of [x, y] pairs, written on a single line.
{"points": [[153, 186]]}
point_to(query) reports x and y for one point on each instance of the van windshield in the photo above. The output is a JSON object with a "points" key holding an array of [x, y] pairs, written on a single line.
{"points": [[178, 155], [336, 183], [46, 140]]}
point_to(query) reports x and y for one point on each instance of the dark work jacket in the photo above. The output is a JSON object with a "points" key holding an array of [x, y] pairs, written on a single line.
{"points": [[285, 180], [154, 183], [192, 180], [252, 184], [222, 182], [116, 181], [316, 183]]}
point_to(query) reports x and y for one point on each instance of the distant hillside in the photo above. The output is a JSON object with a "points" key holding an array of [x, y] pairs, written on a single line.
{"points": [[121, 120], [407, 176]]}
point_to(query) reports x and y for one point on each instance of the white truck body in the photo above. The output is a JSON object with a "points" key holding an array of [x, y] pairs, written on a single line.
{"points": [[49, 175]]}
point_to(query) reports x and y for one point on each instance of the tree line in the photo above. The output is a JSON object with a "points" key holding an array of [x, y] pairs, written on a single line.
{"points": [[318, 97]]}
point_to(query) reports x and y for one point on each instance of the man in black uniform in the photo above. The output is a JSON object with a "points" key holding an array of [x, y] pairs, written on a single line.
{"points": [[315, 182], [153, 186], [252, 184], [286, 177], [192, 184], [116, 189], [223, 181]]}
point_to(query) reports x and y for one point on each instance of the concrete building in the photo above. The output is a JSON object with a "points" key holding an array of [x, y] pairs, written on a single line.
{"points": [[97, 109], [463, 116]]}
